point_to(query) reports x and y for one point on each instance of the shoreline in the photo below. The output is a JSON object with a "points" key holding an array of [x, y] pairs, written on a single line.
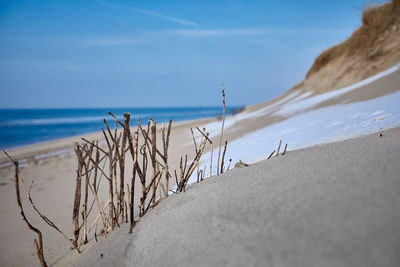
{"points": [[63, 146], [283, 106], [91, 123]]}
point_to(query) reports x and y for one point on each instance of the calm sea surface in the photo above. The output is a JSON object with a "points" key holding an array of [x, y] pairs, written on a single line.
{"points": [[19, 127]]}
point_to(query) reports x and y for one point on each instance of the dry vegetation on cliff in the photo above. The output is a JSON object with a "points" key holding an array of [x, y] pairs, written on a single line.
{"points": [[372, 48]]}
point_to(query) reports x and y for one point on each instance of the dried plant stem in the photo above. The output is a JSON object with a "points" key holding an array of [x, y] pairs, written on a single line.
{"points": [[222, 127], [153, 157], [142, 177], [279, 147], [142, 172], [211, 158], [122, 174], [94, 224], [129, 202], [77, 199], [133, 149], [223, 158], [195, 150], [47, 220], [212, 147], [229, 165], [85, 209], [113, 166], [96, 145], [110, 182], [165, 158], [101, 213], [38, 246], [116, 194], [181, 186], [96, 166], [270, 155], [203, 173], [134, 152], [284, 151]]}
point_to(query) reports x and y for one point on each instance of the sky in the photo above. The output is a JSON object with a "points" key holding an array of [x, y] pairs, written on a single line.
{"points": [[103, 53]]}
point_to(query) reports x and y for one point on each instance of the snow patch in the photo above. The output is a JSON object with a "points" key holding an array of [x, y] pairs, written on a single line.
{"points": [[297, 106], [319, 126]]}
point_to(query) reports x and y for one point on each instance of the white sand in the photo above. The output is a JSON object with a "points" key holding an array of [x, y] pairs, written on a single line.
{"points": [[329, 205]]}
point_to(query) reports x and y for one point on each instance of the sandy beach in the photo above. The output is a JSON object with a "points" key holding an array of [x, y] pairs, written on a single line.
{"points": [[54, 181]]}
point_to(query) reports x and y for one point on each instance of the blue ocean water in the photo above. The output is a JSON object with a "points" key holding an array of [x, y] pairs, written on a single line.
{"points": [[19, 127]]}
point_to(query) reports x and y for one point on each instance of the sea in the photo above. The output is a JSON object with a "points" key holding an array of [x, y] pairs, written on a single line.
{"points": [[21, 127]]}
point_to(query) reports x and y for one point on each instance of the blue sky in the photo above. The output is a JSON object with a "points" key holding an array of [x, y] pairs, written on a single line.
{"points": [[104, 53]]}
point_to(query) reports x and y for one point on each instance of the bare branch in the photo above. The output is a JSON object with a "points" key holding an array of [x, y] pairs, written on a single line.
{"points": [[38, 247]]}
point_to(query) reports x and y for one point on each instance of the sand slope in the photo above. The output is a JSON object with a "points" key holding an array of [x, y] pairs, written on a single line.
{"points": [[328, 205], [370, 49]]}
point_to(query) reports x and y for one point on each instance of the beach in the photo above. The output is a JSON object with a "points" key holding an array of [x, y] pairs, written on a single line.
{"points": [[54, 176], [299, 119], [173, 134]]}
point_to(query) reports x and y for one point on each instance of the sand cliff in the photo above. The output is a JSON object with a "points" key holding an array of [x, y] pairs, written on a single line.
{"points": [[372, 48]]}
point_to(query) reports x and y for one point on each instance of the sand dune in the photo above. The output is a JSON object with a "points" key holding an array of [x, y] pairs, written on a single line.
{"points": [[329, 205], [372, 48]]}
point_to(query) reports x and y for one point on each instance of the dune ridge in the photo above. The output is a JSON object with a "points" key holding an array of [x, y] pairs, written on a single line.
{"points": [[372, 48], [328, 205]]}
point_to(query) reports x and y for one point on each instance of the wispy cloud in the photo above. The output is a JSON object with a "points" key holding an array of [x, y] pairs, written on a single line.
{"points": [[150, 13], [160, 37], [111, 41], [256, 32]]}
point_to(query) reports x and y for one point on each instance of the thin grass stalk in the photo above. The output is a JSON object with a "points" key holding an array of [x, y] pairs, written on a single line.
{"points": [[110, 181], [96, 166], [122, 173], [223, 158], [142, 177], [101, 212], [129, 203], [222, 127], [229, 165], [279, 147], [165, 158], [212, 147], [270, 155], [47, 220], [284, 151]]}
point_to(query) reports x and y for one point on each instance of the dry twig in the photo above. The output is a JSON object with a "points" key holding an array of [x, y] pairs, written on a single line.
{"points": [[270, 155], [38, 246], [222, 127], [284, 151], [279, 147]]}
